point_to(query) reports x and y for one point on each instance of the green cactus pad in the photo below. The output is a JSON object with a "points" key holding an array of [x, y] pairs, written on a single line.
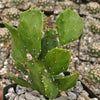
{"points": [[19, 81], [50, 89], [66, 82], [69, 26], [36, 76], [57, 61], [18, 49], [30, 28], [48, 42], [22, 68]]}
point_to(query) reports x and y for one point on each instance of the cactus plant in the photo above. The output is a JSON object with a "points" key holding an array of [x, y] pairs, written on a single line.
{"points": [[68, 4], [4, 34], [93, 7], [95, 27], [18, 2], [94, 49], [49, 60], [11, 14], [94, 74]]}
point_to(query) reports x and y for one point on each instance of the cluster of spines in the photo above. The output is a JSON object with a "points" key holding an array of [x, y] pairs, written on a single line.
{"points": [[13, 14], [95, 27], [93, 7], [5, 36], [18, 2], [93, 50], [94, 75], [68, 4]]}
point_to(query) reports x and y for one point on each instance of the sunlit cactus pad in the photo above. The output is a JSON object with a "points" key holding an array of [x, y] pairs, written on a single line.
{"points": [[93, 7], [94, 49]]}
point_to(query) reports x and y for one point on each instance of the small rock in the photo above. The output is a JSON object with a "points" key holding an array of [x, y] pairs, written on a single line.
{"points": [[94, 99], [11, 90], [71, 96], [20, 89], [5, 63], [35, 93], [61, 98], [12, 96], [42, 97], [29, 96], [78, 87], [81, 98], [22, 97], [8, 95], [16, 98], [84, 92]]}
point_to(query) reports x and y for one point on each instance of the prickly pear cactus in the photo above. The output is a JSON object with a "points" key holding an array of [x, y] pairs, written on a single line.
{"points": [[94, 49], [4, 34], [94, 74], [49, 60], [69, 26], [95, 27], [93, 7]]}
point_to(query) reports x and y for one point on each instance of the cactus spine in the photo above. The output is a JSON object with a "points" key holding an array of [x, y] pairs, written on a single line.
{"points": [[93, 7], [94, 74], [94, 49], [95, 27]]}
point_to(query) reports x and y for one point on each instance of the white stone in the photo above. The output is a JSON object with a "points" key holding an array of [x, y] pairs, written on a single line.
{"points": [[22, 97], [12, 96], [78, 87], [94, 99], [16, 98], [85, 93], [61, 98], [20, 89], [5, 63], [81, 98], [71, 96], [35, 93], [8, 95], [42, 97], [29, 96], [11, 90]]}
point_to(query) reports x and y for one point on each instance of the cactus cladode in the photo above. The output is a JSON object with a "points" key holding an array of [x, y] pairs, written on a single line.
{"points": [[93, 7], [95, 27], [49, 60], [94, 49]]}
